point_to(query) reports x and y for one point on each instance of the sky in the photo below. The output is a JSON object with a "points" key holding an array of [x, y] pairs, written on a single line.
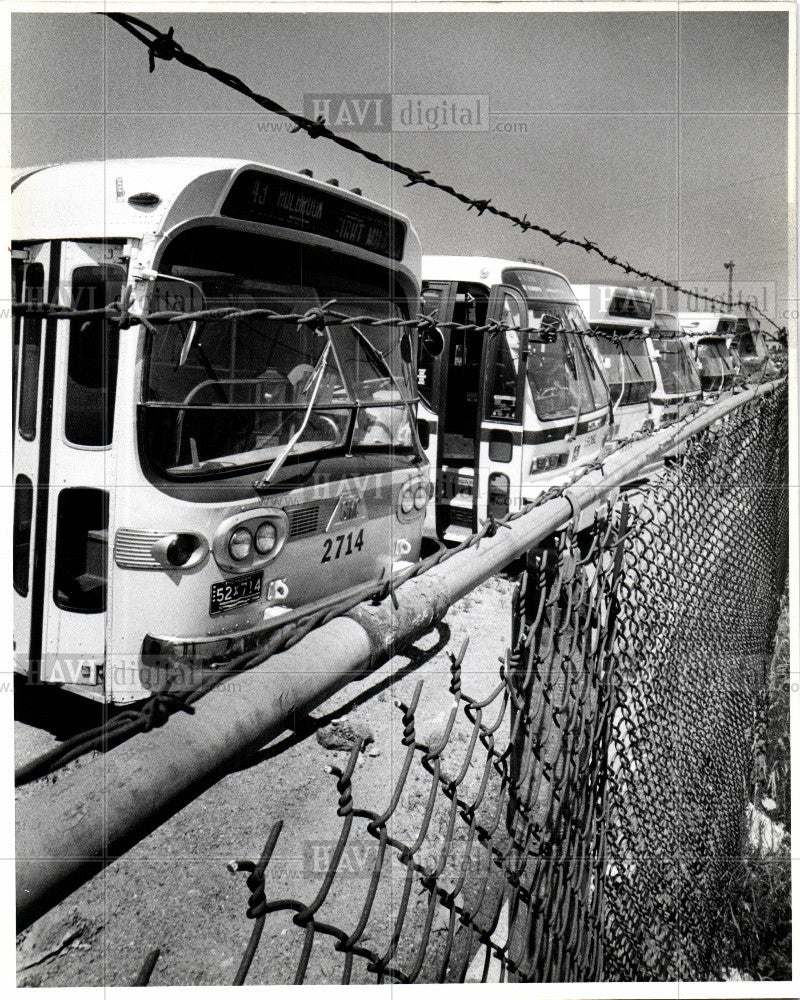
{"points": [[661, 136]]}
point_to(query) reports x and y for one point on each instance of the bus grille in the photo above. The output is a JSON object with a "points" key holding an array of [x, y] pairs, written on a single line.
{"points": [[303, 520]]}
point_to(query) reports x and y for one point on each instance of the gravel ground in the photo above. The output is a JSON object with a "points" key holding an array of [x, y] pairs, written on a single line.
{"points": [[173, 890]]}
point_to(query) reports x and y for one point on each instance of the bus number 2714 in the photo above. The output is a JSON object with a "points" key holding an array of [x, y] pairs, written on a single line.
{"points": [[345, 545]]}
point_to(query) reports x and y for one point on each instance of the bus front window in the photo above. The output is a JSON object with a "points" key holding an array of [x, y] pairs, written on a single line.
{"points": [[711, 365], [250, 389], [558, 369], [678, 375], [627, 370]]}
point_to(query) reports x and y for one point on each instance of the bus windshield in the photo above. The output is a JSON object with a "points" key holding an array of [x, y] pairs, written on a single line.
{"points": [[561, 375], [713, 364], [627, 368], [236, 392], [678, 375]]}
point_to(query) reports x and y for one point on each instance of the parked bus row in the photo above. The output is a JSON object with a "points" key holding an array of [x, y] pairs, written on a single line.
{"points": [[179, 483]]}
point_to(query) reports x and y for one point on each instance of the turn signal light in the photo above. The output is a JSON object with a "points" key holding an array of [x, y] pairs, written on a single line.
{"points": [[181, 549]]}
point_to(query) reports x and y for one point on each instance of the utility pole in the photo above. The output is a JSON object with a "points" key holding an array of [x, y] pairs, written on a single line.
{"points": [[729, 268]]}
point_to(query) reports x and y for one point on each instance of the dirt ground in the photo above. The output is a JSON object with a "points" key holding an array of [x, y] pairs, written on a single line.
{"points": [[174, 890]]}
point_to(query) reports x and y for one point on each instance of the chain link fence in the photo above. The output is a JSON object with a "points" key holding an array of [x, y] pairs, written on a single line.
{"points": [[579, 817]]}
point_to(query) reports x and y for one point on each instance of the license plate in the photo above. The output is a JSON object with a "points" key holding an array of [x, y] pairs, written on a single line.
{"points": [[235, 593]]}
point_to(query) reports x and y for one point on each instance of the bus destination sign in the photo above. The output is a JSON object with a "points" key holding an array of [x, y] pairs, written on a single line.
{"points": [[279, 201]]}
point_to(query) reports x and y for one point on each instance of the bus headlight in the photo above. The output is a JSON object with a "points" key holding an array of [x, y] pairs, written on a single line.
{"points": [[250, 539], [266, 537], [407, 498], [412, 499], [240, 544]]}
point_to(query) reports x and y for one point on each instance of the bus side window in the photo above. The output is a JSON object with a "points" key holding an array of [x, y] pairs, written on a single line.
{"points": [[17, 272], [93, 358], [501, 369], [31, 353], [431, 300]]}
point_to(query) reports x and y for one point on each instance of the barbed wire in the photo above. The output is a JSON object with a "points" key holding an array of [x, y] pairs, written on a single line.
{"points": [[288, 629], [123, 315], [164, 46]]}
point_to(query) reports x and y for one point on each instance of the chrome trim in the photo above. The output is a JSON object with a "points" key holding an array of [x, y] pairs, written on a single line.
{"points": [[133, 548]]}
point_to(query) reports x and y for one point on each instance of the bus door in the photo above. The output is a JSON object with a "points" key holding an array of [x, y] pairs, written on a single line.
{"points": [[438, 298], [71, 553], [33, 344], [499, 471], [457, 378]]}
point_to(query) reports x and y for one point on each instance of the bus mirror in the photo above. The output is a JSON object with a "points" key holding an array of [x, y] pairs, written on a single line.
{"points": [[405, 348], [432, 342]]}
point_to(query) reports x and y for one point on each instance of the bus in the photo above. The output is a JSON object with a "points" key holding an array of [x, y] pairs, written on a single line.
{"points": [[678, 391], [708, 334], [505, 416], [619, 318], [180, 483], [751, 346]]}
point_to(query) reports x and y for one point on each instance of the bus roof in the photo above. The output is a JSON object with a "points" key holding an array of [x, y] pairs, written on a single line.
{"points": [[697, 323], [91, 199], [612, 305], [444, 267]]}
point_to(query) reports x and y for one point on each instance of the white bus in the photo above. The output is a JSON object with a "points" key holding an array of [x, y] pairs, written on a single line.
{"points": [[751, 346], [177, 484], [619, 316], [708, 335], [505, 416], [678, 392]]}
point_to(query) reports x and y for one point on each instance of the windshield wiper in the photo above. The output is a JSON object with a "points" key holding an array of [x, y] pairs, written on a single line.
{"points": [[382, 363], [315, 377], [573, 433], [376, 356]]}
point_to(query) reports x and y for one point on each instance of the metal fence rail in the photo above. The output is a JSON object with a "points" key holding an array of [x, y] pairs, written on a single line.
{"points": [[580, 821]]}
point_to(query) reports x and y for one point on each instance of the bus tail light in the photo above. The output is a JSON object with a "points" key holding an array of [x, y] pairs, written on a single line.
{"points": [[499, 495]]}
